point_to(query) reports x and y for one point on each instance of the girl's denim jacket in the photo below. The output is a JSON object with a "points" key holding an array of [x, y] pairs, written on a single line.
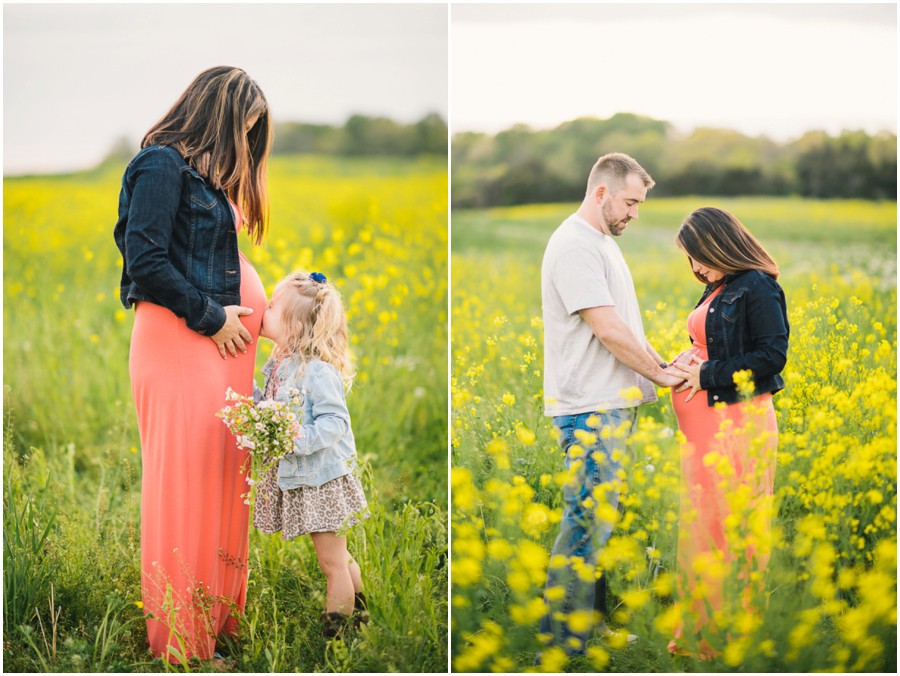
{"points": [[326, 450], [746, 328], [178, 240]]}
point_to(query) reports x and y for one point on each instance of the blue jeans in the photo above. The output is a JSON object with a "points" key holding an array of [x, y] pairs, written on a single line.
{"points": [[581, 533]]}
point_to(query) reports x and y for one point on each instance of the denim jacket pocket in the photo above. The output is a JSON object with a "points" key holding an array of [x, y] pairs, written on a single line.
{"points": [[202, 194], [288, 466], [732, 305]]}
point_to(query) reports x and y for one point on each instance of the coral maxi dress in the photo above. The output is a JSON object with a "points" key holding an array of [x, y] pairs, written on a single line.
{"points": [[194, 523], [727, 481]]}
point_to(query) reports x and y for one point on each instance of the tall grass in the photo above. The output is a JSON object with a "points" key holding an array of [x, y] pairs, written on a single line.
{"points": [[72, 464], [830, 593]]}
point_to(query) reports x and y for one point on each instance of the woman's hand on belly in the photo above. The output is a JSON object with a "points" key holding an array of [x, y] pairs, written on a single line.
{"points": [[233, 335], [688, 369]]}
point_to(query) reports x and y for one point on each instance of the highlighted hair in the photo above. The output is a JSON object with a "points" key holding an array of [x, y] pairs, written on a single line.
{"points": [[314, 323], [207, 126], [718, 240]]}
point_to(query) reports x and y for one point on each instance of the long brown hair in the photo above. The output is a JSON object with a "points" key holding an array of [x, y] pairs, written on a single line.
{"points": [[207, 125], [718, 240]]}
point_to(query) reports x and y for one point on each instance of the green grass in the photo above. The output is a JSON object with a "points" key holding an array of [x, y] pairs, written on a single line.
{"points": [[72, 464], [781, 221], [837, 429], [804, 236]]}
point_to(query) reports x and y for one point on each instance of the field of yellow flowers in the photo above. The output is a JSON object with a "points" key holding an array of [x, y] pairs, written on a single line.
{"points": [[829, 599], [378, 229]]}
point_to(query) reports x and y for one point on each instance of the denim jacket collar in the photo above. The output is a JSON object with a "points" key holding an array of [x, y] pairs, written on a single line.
{"points": [[727, 279]]}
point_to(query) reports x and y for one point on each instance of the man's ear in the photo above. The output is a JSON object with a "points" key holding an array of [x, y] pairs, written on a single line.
{"points": [[600, 192]]}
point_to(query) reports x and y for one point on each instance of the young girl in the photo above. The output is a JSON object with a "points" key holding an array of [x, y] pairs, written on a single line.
{"points": [[314, 489]]}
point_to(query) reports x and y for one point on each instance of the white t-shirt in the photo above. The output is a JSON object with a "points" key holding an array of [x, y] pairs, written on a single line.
{"points": [[584, 268]]}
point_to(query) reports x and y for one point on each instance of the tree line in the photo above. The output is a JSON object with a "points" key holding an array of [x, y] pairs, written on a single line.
{"points": [[363, 135], [522, 165], [360, 135]]}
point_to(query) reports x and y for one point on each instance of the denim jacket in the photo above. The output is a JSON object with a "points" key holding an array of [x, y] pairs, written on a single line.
{"points": [[326, 450], [178, 240], [746, 328]]}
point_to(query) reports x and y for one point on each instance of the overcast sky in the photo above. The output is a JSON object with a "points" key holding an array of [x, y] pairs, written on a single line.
{"points": [[78, 76], [768, 69]]}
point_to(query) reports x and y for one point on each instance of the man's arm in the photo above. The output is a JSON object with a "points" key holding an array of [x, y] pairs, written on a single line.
{"points": [[619, 339]]}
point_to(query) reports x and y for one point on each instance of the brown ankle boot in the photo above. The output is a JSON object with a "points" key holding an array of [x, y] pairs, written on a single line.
{"points": [[333, 624], [360, 613]]}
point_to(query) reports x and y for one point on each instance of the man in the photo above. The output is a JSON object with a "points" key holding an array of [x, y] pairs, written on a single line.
{"points": [[598, 368]]}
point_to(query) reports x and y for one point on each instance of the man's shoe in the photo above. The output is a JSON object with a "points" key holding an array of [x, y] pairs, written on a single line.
{"points": [[605, 632]]}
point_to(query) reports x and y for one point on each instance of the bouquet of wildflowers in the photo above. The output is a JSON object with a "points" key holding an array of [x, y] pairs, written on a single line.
{"points": [[266, 429]]}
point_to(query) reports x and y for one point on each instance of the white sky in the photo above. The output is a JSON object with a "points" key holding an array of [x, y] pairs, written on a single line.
{"points": [[78, 76], [768, 69]]}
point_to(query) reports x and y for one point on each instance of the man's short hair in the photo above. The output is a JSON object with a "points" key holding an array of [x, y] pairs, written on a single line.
{"points": [[613, 169]]}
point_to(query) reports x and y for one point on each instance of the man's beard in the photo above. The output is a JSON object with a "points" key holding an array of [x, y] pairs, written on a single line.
{"points": [[615, 226]]}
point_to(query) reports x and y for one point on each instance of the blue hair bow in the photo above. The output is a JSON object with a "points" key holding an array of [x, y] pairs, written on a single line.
{"points": [[318, 277]]}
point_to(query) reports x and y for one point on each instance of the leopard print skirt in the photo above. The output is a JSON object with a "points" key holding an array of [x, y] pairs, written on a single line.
{"points": [[332, 507]]}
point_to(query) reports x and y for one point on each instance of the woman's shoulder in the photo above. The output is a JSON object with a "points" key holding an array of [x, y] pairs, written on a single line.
{"points": [[156, 157], [756, 279], [159, 150]]}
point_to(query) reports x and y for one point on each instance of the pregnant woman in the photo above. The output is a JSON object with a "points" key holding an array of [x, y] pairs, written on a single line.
{"points": [[199, 178], [728, 460]]}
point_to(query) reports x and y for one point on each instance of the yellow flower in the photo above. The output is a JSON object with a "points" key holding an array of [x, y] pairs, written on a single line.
{"points": [[554, 593], [533, 558], [767, 648], [497, 447], [618, 639], [632, 394], [466, 571], [635, 598], [744, 382], [598, 656], [734, 653], [499, 549], [536, 519], [666, 622], [585, 438], [525, 435], [553, 660], [465, 495], [528, 613], [519, 581], [580, 621]]}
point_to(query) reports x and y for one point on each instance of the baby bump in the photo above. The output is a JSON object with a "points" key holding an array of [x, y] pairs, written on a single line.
{"points": [[253, 295], [169, 359], [693, 416], [689, 413]]}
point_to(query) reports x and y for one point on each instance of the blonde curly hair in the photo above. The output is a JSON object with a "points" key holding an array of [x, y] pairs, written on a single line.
{"points": [[314, 322]]}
